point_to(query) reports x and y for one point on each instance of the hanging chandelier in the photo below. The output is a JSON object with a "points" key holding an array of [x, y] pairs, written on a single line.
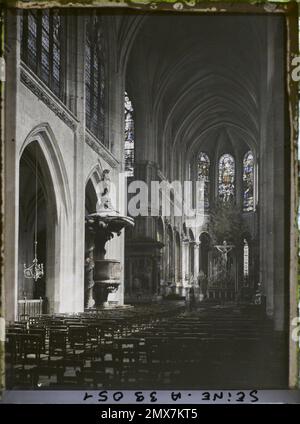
{"points": [[36, 269]]}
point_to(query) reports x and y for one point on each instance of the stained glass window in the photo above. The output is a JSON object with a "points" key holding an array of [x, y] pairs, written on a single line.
{"points": [[226, 178], [32, 39], [56, 64], [248, 182], [129, 136], [45, 47], [94, 77], [246, 260], [42, 43], [203, 176]]}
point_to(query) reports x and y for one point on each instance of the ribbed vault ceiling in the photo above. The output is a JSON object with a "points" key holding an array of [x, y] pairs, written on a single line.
{"points": [[201, 76]]}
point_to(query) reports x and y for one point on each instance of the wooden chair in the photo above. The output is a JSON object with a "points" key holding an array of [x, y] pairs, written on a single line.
{"points": [[55, 362], [31, 352], [58, 342], [78, 336], [42, 332]]}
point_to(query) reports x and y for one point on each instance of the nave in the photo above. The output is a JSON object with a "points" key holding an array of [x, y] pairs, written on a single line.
{"points": [[160, 346], [147, 160]]}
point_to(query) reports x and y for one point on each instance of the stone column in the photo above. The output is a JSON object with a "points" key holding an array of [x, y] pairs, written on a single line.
{"points": [[11, 160], [266, 187], [76, 85], [280, 143], [196, 259], [178, 266], [191, 262], [271, 177], [184, 267], [196, 270]]}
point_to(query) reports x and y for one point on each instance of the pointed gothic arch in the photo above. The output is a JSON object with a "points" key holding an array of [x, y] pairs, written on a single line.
{"points": [[58, 210]]}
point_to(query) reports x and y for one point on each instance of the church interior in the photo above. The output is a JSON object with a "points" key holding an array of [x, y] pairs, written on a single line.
{"points": [[102, 290]]}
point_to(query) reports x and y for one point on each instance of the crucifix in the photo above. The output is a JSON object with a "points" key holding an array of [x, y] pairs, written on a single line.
{"points": [[224, 249]]}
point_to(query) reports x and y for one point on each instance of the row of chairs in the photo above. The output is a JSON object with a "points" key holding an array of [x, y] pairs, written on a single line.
{"points": [[51, 344], [117, 351]]}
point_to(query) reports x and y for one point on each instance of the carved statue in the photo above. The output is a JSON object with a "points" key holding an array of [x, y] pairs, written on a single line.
{"points": [[105, 200]]}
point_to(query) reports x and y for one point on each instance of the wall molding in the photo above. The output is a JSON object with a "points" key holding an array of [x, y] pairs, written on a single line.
{"points": [[100, 149], [43, 93]]}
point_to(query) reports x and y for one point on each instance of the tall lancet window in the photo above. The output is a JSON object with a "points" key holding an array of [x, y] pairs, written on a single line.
{"points": [[226, 187], [43, 45], [129, 136], [246, 261], [203, 166], [29, 30], [248, 182], [95, 77]]}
